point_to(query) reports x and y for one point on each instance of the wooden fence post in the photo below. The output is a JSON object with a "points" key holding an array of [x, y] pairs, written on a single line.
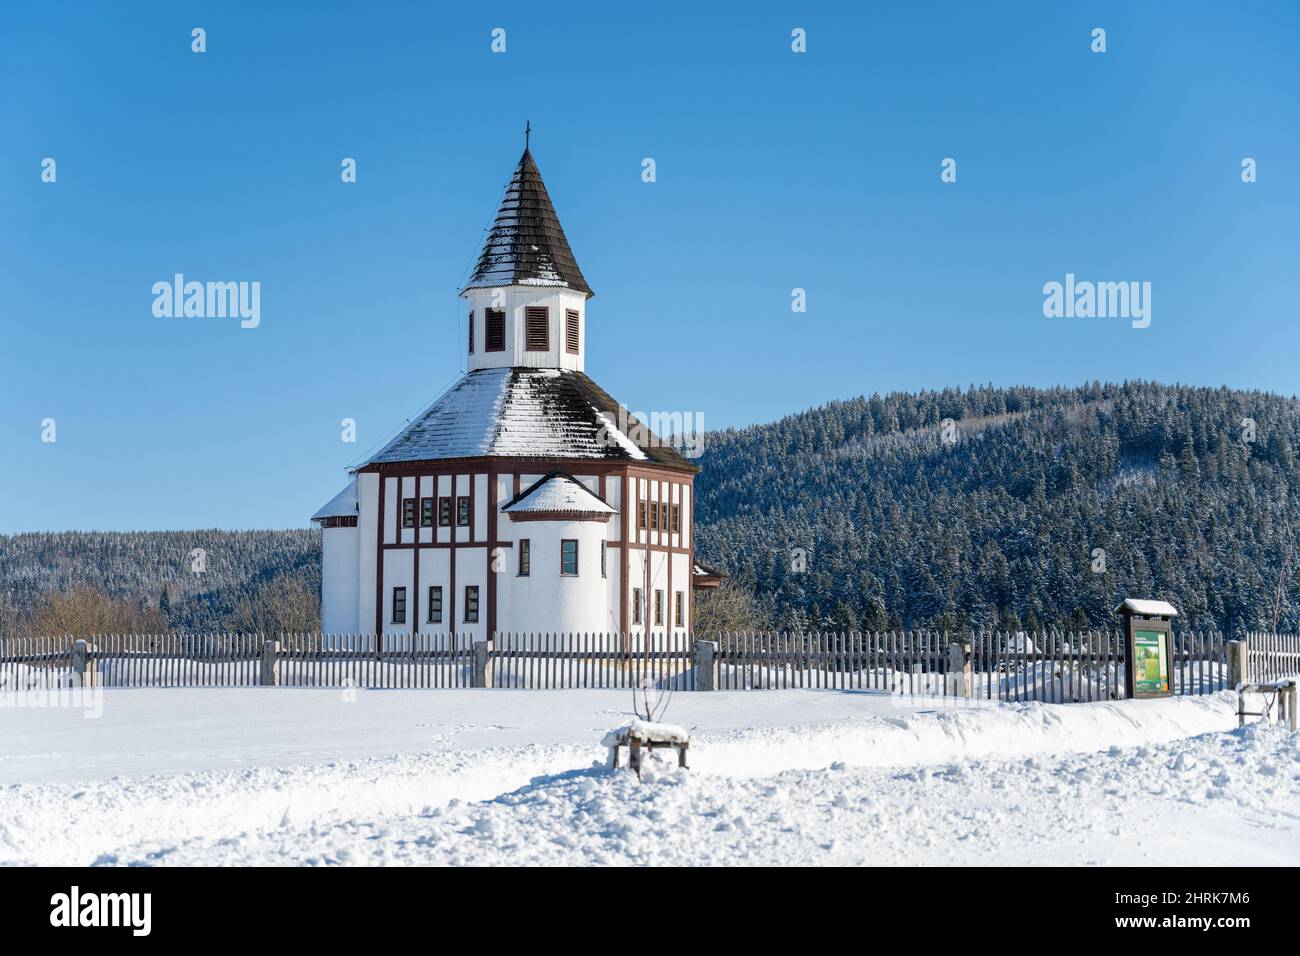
{"points": [[958, 677], [703, 655], [1238, 663], [480, 664], [269, 673], [79, 649]]}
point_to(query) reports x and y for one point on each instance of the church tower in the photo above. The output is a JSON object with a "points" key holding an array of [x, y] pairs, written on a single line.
{"points": [[527, 296], [524, 499]]}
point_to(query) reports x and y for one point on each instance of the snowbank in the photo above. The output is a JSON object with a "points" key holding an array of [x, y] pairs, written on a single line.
{"points": [[281, 776]]}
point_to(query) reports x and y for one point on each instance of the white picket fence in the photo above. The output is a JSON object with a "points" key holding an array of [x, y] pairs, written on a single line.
{"points": [[1050, 667]]}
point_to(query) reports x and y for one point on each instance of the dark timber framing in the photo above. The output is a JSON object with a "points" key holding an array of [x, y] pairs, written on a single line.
{"points": [[666, 482]]}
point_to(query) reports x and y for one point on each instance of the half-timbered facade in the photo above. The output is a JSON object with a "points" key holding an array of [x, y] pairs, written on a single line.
{"points": [[524, 499]]}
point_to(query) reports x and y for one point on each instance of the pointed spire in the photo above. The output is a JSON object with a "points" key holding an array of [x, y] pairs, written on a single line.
{"points": [[526, 245]]}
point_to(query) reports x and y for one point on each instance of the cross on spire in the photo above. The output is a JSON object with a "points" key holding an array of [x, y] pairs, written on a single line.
{"points": [[528, 129]]}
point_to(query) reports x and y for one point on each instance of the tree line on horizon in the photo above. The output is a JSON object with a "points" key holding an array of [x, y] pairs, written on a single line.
{"points": [[1032, 509], [979, 508]]}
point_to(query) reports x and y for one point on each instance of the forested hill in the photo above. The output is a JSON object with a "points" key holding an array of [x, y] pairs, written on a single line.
{"points": [[998, 526], [248, 580]]}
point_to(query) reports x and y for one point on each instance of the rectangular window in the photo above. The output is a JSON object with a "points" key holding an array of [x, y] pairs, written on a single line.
{"points": [[462, 511], [659, 607], [494, 331], [679, 609], [571, 331], [444, 512], [602, 560], [471, 331], [636, 605], [435, 604], [426, 512], [525, 557], [654, 515], [677, 519], [399, 605], [663, 516], [569, 556], [536, 334], [471, 604], [640, 514], [408, 512]]}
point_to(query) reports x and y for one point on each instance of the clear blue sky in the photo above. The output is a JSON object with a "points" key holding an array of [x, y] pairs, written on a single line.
{"points": [[775, 170]]}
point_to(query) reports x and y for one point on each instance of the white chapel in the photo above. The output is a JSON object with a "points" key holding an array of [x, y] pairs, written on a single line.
{"points": [[523, 499]]}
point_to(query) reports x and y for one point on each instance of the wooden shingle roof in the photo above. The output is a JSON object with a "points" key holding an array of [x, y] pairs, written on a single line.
{"points": [[526, 245]]}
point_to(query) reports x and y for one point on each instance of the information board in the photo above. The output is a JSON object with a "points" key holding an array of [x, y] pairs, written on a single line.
{"points": [[1151, 663]]}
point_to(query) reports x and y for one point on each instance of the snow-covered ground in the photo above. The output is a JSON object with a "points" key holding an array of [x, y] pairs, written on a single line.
{"points": [[286, 776]]}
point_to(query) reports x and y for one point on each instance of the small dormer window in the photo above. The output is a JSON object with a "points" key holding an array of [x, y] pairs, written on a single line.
{"points": [[494, 331], [570, 331], [536, 334]]}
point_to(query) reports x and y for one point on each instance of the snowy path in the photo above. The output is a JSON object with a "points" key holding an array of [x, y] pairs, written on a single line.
{"points": [[788, 777]]}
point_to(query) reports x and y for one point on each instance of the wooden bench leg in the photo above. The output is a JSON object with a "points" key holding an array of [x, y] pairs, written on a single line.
{"points": [[681, 757], [634, 757]]}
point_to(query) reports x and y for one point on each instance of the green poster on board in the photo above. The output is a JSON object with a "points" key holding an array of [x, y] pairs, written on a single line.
{"points": [[1151, 671]]}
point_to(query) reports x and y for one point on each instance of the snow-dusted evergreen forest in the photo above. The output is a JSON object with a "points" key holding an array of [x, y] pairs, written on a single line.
{"points": [[251, 580], [1188, 492]]}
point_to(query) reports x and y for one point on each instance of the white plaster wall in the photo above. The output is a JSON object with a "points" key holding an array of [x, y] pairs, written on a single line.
{"points": [[480, 507], [368, 531], [398, 567], [434, 570], [546, 600], [681, 582], [471, 569], [340, 579], [515, 299]]}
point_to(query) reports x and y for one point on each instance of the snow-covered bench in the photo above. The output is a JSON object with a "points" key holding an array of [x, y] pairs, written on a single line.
{"points": [[1282, 691], [642, 734]]}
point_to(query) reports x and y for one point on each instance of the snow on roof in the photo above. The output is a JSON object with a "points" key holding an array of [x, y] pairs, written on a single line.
{"points": [[524, 413], [341, 505], [1148, 608], [526, 245], [558, 492]]}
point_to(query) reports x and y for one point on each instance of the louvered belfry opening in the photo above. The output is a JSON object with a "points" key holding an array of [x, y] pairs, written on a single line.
{"points": [[537, 338], [494, 330], [571, 331], [527, 245]]}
